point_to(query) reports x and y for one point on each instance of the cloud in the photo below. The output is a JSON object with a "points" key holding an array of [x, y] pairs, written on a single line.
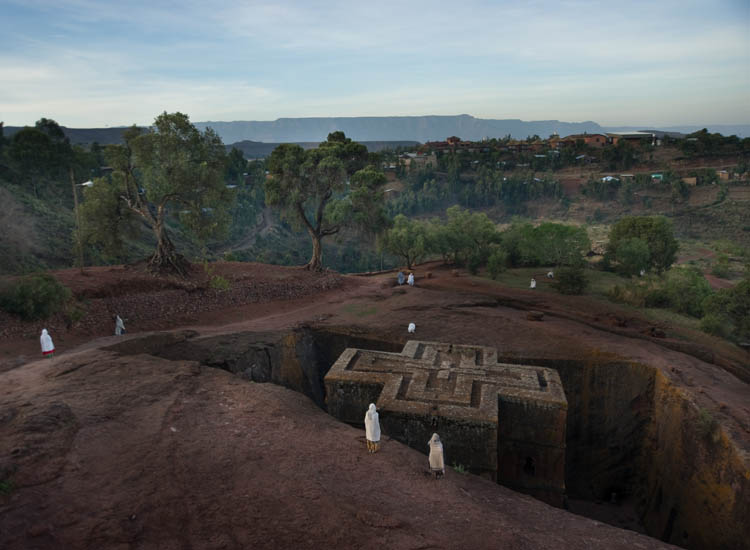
{"points": [[86, 60], [78, 90]]}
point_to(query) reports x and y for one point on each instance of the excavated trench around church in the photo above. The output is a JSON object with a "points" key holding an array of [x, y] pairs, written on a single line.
{"points": [[637, 453]]}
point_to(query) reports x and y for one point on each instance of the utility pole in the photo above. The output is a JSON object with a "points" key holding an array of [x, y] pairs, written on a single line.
{"points": [[78, 219]]}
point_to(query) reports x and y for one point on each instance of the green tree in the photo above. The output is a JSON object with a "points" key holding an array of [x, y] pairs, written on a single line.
{"points": [[236, 167], [309, 187], [171, 168], [632, 255], [406, 239], [559, 244], [497, 262], [571, 280], [656, 231], [32, 152], [727, 312], [463, 234]]}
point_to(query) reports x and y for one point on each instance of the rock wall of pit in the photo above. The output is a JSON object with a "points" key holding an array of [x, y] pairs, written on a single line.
{"points": [[633, 433]]}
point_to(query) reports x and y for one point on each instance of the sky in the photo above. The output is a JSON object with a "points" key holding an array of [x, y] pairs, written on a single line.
{"points": [[88, 63]]}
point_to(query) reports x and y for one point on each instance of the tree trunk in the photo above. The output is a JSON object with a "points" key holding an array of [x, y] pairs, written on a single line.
{"points": [[316, 262], [165, 259]]}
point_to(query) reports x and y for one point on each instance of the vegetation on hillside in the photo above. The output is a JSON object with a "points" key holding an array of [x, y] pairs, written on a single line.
{"points": [[173, 188], [34, 297]]}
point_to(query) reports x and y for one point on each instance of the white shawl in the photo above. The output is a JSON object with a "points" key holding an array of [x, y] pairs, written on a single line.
{"points": [[436, 454], [46, 341], [372, 424]]}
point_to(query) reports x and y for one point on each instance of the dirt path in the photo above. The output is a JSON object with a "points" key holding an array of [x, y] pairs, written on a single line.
{"points": [[149, 304]]}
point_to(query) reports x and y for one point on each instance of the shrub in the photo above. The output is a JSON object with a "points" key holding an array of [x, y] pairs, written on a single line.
{"points": [[460, 468], [75, 314], [497, 262], [571, 280], [657, 297], [721, 267], [728, 312], [34, 297], [715, 324], [632, 255], [218, 282], [685, 291], [6, 487], [474, 263], [633, 293]]}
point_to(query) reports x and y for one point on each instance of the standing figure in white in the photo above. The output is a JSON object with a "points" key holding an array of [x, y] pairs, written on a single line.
{"points": [[437, 461], [372, 429], [48, 348]]}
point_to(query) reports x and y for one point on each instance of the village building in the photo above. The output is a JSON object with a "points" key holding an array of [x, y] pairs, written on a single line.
{"points": [[419, 160], [690, 180], [591, 140], [634, 138]]}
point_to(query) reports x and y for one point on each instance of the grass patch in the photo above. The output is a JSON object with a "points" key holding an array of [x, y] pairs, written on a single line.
{"points": [[6, 487], [599, 282], [360, 310], [218, 282], [600, 285], [460, 469], [707, 426]]}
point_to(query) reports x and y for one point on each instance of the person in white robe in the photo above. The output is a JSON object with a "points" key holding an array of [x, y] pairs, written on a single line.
{"points": [[412, 328], [48, 348], [533, 283], [119, 326], [437, 461], [372, 429], [410, 279]]}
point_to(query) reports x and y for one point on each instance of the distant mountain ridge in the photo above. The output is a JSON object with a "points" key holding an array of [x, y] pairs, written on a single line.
{"points": [[409, 128], [387, 129]]}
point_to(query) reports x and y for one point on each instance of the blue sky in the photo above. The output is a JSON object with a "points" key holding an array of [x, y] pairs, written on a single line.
{"points": [[88, 63]]}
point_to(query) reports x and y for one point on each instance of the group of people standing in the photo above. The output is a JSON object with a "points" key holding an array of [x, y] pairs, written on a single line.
{"points": [[372, 434], [403, 278]]}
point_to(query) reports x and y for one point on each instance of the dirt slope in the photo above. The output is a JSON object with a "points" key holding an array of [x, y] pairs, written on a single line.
{"points": [[138, 452]]}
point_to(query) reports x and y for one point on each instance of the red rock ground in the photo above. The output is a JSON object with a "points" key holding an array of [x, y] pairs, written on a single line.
{"points": [[139, 452]]}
